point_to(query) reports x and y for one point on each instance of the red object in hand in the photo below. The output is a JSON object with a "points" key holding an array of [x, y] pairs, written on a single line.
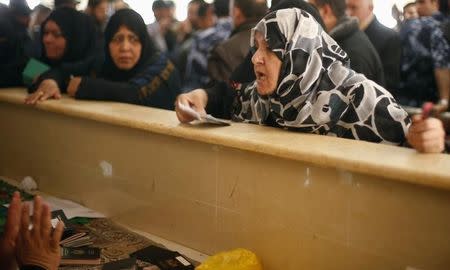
{"points": [[427, 110]]}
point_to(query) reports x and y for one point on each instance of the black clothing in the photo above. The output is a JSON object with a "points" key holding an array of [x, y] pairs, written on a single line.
{"points": [[19, 8], [100, 37], [312, 10], [80, 57], [220, 100], [156, 86], [388, 45], [16, 47], [226, 56], [153, 81], [244, 72], [363, 56]]}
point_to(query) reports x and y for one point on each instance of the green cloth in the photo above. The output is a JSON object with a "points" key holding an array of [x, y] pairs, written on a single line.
{"points": [[33, 69]]}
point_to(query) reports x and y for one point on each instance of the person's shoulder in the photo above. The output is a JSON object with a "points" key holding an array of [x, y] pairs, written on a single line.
{"points": [[224, 24], [237, 39], [411, 25], [361, 50], [383, 28], [423, 26], [359, 40]]}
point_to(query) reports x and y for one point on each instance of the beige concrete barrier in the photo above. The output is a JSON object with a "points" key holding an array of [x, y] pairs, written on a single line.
{"points": [[298, 201]]}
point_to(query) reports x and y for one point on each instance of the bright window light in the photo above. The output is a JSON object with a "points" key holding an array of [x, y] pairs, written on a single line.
{"points": [[382, 8]]}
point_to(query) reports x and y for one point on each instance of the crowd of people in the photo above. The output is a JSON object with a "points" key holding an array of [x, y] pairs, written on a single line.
{"points": [[322, 66]]}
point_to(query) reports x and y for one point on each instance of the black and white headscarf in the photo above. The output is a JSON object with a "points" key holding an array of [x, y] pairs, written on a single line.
{"points": [[317, 92]]}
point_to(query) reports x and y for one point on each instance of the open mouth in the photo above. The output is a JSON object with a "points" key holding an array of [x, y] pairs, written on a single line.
{"points": [[260, 76]]}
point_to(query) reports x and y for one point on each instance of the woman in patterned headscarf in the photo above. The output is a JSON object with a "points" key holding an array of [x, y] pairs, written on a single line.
{"points": [[303, 83], [315, 91]]}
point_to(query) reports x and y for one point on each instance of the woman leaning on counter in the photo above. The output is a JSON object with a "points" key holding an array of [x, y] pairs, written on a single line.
{"points": [[303, 83], [134, 71], [69, 49]]}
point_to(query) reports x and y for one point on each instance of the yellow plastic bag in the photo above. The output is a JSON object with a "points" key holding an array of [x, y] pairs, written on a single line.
{"points": [[237, 259]]}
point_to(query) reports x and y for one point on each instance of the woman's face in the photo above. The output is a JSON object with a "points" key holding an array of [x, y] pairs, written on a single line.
{"points": [[54, 41], [125, 49], [267, 66]]}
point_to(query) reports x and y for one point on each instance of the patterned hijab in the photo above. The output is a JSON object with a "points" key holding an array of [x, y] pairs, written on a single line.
{"points": [[317, 92]]}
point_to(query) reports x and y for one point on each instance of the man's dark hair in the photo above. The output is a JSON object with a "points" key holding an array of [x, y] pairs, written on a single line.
{"points": [[301, 4], [196, 1], [95, 3], [159, 4], [275, 2], [170, 3], [63, 3], [337, 6], [203, 9], [222, 8], [19, 8], [252, 9]]}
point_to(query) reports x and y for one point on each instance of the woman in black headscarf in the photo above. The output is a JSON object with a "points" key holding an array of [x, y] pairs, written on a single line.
{"points": [[69, 48], [134, 71]]}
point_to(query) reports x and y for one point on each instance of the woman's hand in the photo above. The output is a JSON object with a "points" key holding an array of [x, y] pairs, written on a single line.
{"points": [[8, 240], [426, 136], [47, 89], [74, 83], [39, 246], [196, 99]]}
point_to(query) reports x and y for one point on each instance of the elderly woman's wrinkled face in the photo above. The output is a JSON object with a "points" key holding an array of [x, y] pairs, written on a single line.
{"points": [[125, 48], [267, 66], [54, 41]]}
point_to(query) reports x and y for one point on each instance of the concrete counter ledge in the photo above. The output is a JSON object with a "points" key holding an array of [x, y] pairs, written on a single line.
{"points": [[356, 156], [299, 201]]}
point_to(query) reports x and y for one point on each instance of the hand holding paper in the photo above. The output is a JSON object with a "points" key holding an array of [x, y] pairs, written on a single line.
{"points": [[189, 111], [205, 118], [197, 99]]}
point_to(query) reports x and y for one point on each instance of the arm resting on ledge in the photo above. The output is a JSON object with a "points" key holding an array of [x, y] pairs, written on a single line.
{"points": [[101, 89]]}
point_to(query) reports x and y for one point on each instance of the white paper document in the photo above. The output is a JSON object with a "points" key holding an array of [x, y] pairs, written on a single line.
{"points": [[207, 118]]}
